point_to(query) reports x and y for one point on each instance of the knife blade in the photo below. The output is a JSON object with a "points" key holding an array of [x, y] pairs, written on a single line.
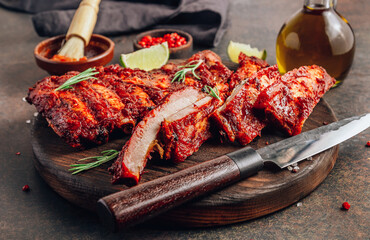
{"points": [[302, 146], [139, 203]]}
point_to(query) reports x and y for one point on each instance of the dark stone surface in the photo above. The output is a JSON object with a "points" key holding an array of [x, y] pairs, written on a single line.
{"points": [[42, 214]]}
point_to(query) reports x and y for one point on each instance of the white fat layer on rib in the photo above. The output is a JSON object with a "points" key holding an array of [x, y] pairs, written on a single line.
{"points": [[190, 109], [232, 95], [146, 131]]}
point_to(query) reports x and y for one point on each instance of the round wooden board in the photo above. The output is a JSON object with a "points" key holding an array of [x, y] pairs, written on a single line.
{"points": [[270, 190]]}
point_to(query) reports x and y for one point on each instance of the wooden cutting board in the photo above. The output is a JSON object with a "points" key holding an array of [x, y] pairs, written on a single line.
{"points": [[270, 190]]}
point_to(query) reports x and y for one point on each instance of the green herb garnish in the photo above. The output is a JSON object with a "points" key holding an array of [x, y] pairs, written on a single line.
{"points": [[212, 91], [190, 67], [107, 156], [87, 74]]}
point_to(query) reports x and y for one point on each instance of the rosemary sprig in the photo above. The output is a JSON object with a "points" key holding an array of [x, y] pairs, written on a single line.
{"points": [[107, 156], [212, 91], [190, 67], [87, 74]]}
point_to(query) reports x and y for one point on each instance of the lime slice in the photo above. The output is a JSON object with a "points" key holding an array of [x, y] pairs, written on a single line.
{"points": [[234, 49], [147, 58]]}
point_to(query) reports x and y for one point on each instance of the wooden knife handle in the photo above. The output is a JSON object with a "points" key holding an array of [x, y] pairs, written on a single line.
{"points": [[134, 205], [83, 22]]}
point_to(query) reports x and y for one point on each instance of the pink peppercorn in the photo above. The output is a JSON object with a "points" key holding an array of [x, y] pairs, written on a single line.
{"points": [[346, 206], [26, 188]]}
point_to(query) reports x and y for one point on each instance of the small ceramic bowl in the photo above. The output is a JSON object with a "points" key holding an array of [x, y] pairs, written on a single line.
{"points": [[183, 51], [99, 52]]}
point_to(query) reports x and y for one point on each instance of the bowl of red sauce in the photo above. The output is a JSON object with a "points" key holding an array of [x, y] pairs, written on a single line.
{"points": [[99, 52], [180, 43]]}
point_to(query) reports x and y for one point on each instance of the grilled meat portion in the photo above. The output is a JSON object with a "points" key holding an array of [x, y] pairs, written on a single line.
{"points": [[235, 119], [67, 112], [190, 106], [92, 109], [184, 132], [133, 157], [290, 101], [117, 99], [247, 66], [173, 118], [212, 72]]}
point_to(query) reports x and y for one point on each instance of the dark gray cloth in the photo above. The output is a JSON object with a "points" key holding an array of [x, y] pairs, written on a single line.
{"points": [[205, 20]]}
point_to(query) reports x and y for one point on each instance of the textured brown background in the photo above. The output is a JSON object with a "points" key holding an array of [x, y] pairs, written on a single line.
{"points": [[42, 214]]}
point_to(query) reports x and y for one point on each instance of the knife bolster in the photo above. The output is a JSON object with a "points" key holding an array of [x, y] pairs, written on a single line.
{"points": [[248, 161]]}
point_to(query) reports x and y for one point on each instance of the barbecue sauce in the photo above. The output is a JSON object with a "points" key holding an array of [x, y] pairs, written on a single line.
{"points": [[317, 34]]}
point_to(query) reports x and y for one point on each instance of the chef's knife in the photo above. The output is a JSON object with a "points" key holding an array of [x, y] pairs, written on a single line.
{"points": [[134, 205]]}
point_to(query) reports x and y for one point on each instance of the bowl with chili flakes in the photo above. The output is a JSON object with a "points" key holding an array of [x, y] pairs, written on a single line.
{"points": [[180, 43]]}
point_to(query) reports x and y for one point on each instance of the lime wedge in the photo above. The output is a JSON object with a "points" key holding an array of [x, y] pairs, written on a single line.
{"points": [[147, 58], [234, 49]]}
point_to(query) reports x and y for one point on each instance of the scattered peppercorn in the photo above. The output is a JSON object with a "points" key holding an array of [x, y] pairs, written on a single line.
{"points": [[18, 153], [173, 40], [26, 188], [325, 123], [345, 206], [368, 144]]}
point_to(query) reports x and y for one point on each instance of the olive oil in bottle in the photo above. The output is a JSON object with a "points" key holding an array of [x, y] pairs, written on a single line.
{"points": [[317, 34]]}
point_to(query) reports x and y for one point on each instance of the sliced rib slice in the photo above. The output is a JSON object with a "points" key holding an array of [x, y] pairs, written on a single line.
{"points": [[133, 157], [211, 72], [247, 67], [183, 133], [236, 119], [290, 101]]}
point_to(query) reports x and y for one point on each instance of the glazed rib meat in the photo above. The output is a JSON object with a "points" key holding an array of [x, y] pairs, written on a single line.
{"points": [[190, 107], [133, 156], [247, 67], [235, 119], [116, 100], [175, 118], [184, 132], [290, 101]]}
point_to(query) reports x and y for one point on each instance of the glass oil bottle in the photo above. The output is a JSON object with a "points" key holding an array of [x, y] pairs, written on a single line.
{"points": [[317, 34]]}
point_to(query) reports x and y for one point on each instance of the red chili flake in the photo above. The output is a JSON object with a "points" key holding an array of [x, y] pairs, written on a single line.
{"points": [[26, 188], [18, 153], [345, 206], [173, 40], [325, 123], [267, 143], [368, 144]]}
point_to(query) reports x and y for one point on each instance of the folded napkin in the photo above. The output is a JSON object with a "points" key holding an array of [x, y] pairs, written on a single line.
{"points": [[205, 20]]}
